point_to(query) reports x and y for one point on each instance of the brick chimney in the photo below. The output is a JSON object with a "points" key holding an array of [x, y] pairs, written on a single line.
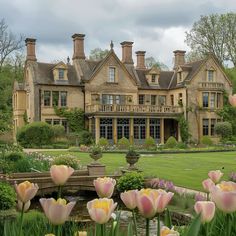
{"points": [[30, 47], [127, 52], [140, 60], [78, 46], [179, 58]]}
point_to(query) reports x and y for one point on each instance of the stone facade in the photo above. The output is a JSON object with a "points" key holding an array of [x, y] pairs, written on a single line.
{"points": [[120, 99]]}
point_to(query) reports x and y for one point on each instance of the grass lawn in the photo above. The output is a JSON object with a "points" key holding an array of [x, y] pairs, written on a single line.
{"points": [[186, 170]]}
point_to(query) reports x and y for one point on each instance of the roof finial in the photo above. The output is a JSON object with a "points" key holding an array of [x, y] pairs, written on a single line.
{"points": [[68, 60], [111, 45]]}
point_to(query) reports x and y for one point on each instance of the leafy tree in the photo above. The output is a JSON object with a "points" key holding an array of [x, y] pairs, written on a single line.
{"points": [[216, 34], [193, 56], [98, 54], [151, 61]]}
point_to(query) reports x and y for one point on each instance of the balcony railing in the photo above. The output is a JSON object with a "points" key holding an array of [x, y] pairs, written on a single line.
{"points": [[132, 108], [211, 85]]}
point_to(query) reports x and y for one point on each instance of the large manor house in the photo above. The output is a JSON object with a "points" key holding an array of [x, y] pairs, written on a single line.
{"points": [[120, 97]]}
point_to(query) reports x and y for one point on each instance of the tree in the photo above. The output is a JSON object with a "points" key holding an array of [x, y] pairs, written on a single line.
{"points": [[151, 61], [98, 54], [215, 34], [193, 56], [8, 42]]}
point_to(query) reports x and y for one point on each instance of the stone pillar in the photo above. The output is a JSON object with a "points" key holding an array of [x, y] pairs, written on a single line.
{"points": [[115, 130], [162, 131], [179, 136], [97, 129], [147, 127], [90, 125], [131, 136]]}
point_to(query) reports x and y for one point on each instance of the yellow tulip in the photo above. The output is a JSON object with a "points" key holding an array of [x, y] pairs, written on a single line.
{"points": [[26, 191]]}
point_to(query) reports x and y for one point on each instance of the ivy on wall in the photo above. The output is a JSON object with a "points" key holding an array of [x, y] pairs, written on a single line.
{"points": [[74, 116], [184, 129]]}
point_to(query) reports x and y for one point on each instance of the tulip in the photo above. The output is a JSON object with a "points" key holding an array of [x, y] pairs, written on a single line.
{"points": [[163, 200], [50, 235], [232, 100], [100, 210], [206, 209], [56, 211], [104, 186], [60, 174], [215, 175], [26, 191], [165, 231], [20, 205], [129, 199], [147, 202], [81, 233], [208, 184], [224, 196]]}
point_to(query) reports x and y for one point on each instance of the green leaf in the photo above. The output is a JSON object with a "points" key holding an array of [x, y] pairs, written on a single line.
{"points": [[167, 219], [195, 226], [130, 230]]}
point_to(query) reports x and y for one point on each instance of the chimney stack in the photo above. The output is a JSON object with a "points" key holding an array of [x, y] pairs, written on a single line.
{"points": [[140, 60], [30, 47], [179, 58], [78, 46], [127, 52]]}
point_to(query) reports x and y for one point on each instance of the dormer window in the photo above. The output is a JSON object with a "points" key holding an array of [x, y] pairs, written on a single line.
{"points": [[210, 75], [112, 74], [179, 77], [61, 74], [154, 78]]}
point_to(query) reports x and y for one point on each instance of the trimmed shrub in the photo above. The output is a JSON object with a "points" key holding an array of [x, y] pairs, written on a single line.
{"points": [[129, 181], [103, 142], [67, 160], [181, 145], [7, 196], [14, 156], [22, 165], [224, 129], [35, 134], [123, 143], [150, 143], [85, 138], [171, 142], [58, 131], [206, 140]]}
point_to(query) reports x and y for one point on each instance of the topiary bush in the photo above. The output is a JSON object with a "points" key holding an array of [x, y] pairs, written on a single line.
{"points": [[181, 145], [35, 134], [58, 131], [66, 159], [123, 143], [103, 142], [150, 143], [7, 196], [171, 142], [85, 138], [129, 181], [14, 156], [224, 129], [206, 140]]}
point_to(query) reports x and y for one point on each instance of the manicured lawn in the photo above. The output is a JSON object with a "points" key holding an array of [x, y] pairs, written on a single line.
{"points": [[186, 170]]}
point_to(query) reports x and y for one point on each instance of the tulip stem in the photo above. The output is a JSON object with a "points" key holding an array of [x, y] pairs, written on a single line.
{"points": [[59, 191], [147, 226], [228, 224], [58, 230], [21, 218], [158, 225], [135, 223], [103, 229], [206, 229]]}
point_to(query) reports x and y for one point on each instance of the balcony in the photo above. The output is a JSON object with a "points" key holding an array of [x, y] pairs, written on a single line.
{"points": [[211, 85], [138, 109]]}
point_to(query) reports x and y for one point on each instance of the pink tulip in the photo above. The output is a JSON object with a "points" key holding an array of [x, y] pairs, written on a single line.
{"points": [[147, 202], [224, 196], [215, 175], [165, 231], [20, 205], [129, 199], [60, 174], [163, 200], [232, 100], [206, 209], [208, 184], [100, 210], [80, 233], [26, 191], [104, 186], [56, 211]]}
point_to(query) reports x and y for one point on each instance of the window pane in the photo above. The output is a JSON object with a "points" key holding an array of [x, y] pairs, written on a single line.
{"points": [[112, 71], [210, 75], [218, 100], [49, 121], [213, 122], [141, 99], [212, 100], [205, 127], [56, 122], [106, 129], [55, 98], [47, 98], [153, 78], [205, 99], [61, 73], [63, 99], [153, 99], [162, 100]]}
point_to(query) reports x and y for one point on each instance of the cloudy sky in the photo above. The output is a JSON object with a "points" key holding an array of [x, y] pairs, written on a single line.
{"points": [[157, 26]]}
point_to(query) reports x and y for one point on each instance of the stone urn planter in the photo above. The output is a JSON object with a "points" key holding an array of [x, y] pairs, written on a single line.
{"points": [[96, 154], [132, 158]]}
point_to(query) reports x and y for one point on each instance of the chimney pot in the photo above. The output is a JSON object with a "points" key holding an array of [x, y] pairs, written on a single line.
{"points": [[127, 52], [78, 46], [140, 60], [30, 47], [179, 58]]}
